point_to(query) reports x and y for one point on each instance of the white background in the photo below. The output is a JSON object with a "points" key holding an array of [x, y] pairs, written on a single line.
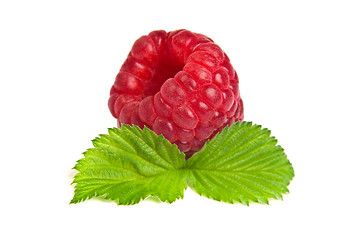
{"points": [[299, 68]]}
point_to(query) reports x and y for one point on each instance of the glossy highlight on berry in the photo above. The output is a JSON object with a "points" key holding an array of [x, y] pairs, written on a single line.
{"points": [[179, 84]]}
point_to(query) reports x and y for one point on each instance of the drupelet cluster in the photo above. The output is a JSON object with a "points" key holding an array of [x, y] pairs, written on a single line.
{"points": [[179, 84]]}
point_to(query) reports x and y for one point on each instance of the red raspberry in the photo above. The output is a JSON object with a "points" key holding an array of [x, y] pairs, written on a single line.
{"points": [[179, 84]]}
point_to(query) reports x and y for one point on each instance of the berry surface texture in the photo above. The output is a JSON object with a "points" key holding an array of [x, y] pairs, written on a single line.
{"points": [[179, 84]]}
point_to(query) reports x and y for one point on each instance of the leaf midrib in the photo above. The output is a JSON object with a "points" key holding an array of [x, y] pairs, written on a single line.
{"points": [[140, 177], [228, 170]]}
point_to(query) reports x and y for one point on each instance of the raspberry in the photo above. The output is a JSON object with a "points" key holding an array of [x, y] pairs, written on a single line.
{"points": [[179, 84]]}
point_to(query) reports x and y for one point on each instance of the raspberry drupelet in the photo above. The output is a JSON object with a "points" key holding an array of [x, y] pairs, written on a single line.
{"points": [[179, 84]]}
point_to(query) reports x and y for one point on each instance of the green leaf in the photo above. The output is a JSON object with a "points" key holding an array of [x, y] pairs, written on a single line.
{"points": [[241, 164], [128, 165]]}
